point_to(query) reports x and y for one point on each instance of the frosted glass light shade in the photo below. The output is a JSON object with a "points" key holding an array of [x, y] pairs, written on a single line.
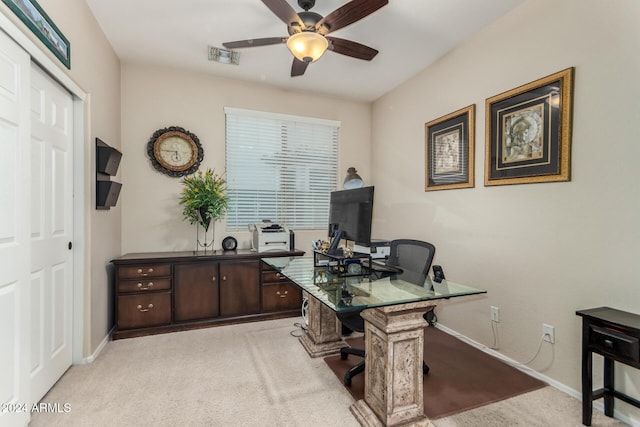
{"points": [[353, 180], [307, 46]]}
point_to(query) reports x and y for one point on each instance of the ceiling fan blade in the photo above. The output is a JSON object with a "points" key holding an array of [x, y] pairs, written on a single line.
{"points": [[351, 48], [298, 67], [254, 42], [284, 11], [348, 14]]}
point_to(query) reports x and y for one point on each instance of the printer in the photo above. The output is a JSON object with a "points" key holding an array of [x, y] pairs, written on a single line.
{"points": [[378, 249], [268, 236]]}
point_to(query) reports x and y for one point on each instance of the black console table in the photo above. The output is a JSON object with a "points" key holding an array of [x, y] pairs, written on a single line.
{"points": [[615, 335]]}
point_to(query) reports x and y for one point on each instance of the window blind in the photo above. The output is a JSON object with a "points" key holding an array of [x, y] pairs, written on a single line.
{"points": [[279, 167]]}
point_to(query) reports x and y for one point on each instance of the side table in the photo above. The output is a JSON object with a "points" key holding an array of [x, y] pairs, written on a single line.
{"points": [[615, 335]]}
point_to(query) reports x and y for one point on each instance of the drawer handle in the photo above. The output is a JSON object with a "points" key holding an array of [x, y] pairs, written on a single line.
{"points": [[213, 279], [280, 276], [144, 310], [145, 288], [282, 295], [142, 273], [224, 278], [608, 343]]}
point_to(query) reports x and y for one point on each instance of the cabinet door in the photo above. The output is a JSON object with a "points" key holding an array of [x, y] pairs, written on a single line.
{"points": [[239, 287], [195, 291]]}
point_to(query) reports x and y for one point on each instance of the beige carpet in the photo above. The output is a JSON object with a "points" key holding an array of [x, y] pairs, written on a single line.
{"points": [[253, 374]]}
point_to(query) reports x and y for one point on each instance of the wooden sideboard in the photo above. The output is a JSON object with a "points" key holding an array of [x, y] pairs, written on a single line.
{"points": [[162, 292]]}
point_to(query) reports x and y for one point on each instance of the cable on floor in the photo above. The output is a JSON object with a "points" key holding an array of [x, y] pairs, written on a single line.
{"points": [[302, 329]]}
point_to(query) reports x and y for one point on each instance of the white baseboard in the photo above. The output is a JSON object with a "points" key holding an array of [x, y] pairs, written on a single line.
{"points": [[532, 372], [97, 351]]}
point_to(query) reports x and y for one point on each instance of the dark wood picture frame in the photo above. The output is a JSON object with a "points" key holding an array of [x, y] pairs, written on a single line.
{"points": [[449, 150], [528, 132], [34, 17]]}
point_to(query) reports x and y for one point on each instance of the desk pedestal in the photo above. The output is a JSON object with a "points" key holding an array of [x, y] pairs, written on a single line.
{"points": [[393, 393], [324, 336]]}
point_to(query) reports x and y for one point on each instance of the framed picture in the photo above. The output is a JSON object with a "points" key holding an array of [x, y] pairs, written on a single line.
{"points": [[449, 150], [30, 12], [529, 132]]}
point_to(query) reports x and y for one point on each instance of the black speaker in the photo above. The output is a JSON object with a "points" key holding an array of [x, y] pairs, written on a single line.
{"points": [[107, 193], [107, 158], [438, 274], [292, 240]]}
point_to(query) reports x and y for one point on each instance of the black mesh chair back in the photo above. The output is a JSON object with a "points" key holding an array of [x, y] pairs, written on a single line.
{"points": [[413, 258]]}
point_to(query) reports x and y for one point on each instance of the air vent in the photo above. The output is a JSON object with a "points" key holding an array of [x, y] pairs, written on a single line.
{"points": [[224, 56]]}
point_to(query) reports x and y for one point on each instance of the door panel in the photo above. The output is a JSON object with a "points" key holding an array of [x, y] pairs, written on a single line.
{"points": [[196, 291], [52, 219], [239, 288], [14, 231]]}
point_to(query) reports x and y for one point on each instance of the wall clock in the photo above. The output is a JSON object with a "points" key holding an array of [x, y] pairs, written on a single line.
{"points": [[175, 151]]}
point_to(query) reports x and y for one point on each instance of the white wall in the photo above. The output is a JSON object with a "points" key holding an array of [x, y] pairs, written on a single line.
{"points": [[153, 99], [542, 251]]}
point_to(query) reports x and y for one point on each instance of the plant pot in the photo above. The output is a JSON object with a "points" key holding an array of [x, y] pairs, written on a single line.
{"points": [[204, 221]]}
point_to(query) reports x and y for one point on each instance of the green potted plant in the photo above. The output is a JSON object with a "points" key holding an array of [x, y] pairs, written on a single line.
{"points": [[203, 198]]}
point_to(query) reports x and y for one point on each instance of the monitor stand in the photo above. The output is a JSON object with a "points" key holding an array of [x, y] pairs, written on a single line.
{"points": [[335, 242]]}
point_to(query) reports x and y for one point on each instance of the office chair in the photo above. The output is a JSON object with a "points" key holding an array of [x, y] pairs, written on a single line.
{"points": [[412, 260]]}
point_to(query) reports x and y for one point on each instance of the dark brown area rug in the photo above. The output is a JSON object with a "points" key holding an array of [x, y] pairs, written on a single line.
{"points": [[461, 377]]}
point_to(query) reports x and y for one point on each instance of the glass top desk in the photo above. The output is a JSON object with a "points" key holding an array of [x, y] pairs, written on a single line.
{"points": [[394, 332]]}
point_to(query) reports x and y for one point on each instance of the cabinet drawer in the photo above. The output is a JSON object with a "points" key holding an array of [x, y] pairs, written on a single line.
{"points": [[273, 276], [140, 310], [145, 270], [613, 342], [144, 285], [280, 297]]}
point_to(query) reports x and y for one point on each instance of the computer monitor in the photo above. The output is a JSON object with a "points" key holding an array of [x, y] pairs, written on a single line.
{"points": [[350, 216]]}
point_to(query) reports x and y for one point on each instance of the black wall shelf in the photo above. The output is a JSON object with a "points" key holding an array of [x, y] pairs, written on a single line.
{"points": [[107, 163]]}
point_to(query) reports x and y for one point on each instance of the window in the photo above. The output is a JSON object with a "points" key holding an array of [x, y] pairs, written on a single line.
{"points": [[279, 167]]}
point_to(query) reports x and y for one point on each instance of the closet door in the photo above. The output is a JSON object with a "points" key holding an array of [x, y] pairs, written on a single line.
{"points": [[51, 225], [15, 245]]}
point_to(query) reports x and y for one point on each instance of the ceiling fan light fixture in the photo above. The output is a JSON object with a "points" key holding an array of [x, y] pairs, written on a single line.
{"points": [[307, 46]]}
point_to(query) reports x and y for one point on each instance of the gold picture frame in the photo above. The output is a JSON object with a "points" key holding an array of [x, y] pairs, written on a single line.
{"points": [[528, 132], [449, 150]]}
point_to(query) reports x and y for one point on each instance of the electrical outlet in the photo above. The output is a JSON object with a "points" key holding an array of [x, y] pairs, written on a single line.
{"points": [[495, 314], [549, 333]]}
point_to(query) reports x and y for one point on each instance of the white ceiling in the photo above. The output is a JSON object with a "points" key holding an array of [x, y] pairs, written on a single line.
{"points": [[410, 35]]}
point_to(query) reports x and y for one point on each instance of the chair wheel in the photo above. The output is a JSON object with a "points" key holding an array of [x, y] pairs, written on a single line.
{"points": [[343, 354], [425, 369]]}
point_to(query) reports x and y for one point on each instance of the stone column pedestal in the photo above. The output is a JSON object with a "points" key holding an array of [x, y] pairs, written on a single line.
{"points": [[393, 393], [324, 336]]}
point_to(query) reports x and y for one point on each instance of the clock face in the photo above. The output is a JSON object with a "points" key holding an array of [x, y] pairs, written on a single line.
{"points": [[175, 151], [354, 268], [229, 244]]}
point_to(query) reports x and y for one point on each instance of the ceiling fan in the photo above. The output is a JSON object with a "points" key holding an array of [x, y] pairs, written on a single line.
{"points": [[308, 31]]}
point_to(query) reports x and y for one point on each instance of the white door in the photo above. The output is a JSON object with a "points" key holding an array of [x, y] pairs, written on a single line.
{"points": [[15, 245], [51, 226]]}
